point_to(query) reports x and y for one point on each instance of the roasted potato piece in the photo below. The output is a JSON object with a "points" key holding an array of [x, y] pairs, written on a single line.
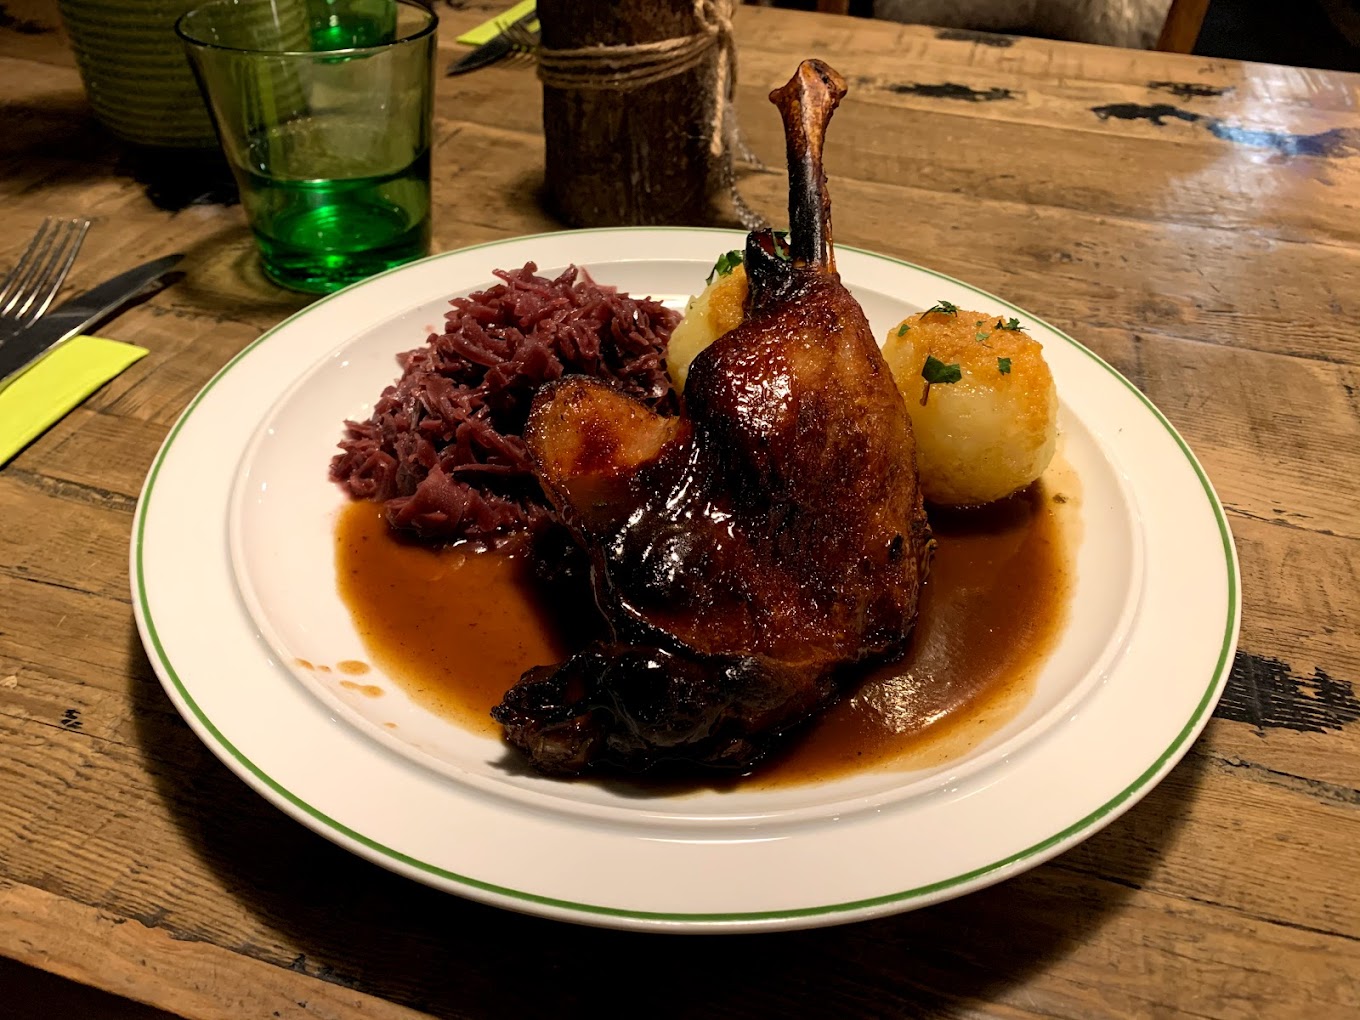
{"points": [[711, 313], [982, 402]]}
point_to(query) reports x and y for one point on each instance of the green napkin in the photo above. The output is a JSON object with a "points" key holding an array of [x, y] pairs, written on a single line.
{"points": [[488, 30], [45, 394]]}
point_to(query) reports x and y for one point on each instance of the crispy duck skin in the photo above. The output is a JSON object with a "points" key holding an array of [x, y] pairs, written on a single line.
{"points": [[745, 552]]}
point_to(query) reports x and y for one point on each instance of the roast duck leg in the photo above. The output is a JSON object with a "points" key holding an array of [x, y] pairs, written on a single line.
{"points": [[745, 553]]}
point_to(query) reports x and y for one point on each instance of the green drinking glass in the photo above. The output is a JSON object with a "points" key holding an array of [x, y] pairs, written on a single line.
{"points": [[323, 109]]}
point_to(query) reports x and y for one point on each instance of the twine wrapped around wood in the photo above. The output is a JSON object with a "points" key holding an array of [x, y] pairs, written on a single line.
{"points": [[627, 67]]}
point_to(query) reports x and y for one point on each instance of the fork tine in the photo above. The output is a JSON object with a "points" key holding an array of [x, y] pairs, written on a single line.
{"points": [[43, 266], [13, 286], [60, 266], [33, 278], [37, 278], [521, 37]]}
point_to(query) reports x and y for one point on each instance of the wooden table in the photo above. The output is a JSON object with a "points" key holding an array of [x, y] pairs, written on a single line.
{"points": [[1196, 222]]}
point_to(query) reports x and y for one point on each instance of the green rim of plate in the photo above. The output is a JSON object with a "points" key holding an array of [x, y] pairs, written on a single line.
{"points": [[329, 826]]}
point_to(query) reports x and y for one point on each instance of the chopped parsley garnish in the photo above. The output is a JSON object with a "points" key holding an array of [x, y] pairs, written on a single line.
{"points": [[981, 336], [725, 264], [902, 329], [781, 245], [944, 308], [1004, 364], [936, 371], [1011, 324]]}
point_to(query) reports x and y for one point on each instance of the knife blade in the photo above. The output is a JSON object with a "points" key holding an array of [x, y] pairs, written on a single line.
{"points": [[488, 53], [21, 350]]}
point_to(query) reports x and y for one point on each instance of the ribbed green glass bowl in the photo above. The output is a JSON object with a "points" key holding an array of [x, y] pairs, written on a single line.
{"points": [[135, 71]]}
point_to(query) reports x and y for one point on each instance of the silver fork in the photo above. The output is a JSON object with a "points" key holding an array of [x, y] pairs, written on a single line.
{"points": [[28, 290], [523, 38]]}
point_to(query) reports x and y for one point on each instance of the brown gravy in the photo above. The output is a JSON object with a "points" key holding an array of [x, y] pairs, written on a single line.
{"points": [[456, 627]]}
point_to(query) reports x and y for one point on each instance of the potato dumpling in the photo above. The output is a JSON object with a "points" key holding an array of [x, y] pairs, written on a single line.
{"points": [[982, 402], [709, 314]]}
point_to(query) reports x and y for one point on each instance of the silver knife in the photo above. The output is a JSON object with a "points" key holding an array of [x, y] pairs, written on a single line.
{"points": [[492, 50], [487, 53], [22, 349]]}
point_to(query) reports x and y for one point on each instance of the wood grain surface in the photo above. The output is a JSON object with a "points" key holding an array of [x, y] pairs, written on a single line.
{"points": [[1196, 222]]}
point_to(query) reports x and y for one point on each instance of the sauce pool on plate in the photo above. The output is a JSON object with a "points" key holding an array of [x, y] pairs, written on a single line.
{"points": [[456, 626]]}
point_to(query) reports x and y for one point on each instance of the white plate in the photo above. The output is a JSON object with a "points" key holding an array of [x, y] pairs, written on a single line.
{"points": [[233, 582]]}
